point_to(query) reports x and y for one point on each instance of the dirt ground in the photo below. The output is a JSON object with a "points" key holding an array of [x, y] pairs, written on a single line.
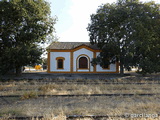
{"points": [[83, 105], [133, 76], [43, 74]]}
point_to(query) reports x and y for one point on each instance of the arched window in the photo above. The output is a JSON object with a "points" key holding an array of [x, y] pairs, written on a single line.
{"points": [[60, 62], [83, 63]]}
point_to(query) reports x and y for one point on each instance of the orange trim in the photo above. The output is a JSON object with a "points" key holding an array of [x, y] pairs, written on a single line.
{"points": [[60, 58], [59, 50], [82, 68], [86, 47], [95, 66], [79, 72], [71, 61], [75, 49], [60, 68], [48, 62]]}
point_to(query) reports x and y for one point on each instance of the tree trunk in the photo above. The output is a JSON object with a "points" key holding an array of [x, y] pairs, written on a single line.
{"points": [[121, 65], [121, 69]]}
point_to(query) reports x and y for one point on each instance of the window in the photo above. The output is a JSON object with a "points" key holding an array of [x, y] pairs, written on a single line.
{"points": [[83, 63], [106, 67], [106, 64], [60, 62]]}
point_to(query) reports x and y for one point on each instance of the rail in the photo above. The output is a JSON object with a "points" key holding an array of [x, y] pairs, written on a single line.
{"points": [[84, 95], [73, 117]]}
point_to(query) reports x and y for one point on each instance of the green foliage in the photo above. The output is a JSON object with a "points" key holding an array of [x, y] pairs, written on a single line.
{"points": [[24, 25], [128, 31]]}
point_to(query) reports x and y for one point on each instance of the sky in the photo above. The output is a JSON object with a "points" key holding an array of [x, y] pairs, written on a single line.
{"points": [[74, 16]]}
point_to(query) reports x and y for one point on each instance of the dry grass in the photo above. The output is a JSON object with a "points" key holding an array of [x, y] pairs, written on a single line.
{"points": [[52, 117], [83, 106], [62, 89], [51, 107]]}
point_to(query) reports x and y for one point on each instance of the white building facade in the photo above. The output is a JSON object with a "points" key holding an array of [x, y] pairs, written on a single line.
{"points": [[75, 57]]}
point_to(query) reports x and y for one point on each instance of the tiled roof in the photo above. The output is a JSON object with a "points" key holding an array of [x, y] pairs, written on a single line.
{"points": [[70, 45]]}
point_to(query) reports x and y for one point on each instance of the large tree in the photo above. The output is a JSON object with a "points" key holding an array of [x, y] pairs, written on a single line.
{"points": [[24, 25], [129, 32]]}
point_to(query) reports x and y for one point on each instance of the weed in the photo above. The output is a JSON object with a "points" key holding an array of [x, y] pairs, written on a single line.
{"points": [[47, 88], [29, 95], [61, 116]]}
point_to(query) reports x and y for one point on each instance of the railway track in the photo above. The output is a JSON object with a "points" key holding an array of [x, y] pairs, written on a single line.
{"points": [[83, 83], [9, 89], [84, 95], [76, 117]]}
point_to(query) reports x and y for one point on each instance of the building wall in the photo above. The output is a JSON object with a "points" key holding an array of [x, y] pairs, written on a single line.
{"points": [[75, 55], [53, 61], [112, 67], [79, 53]]}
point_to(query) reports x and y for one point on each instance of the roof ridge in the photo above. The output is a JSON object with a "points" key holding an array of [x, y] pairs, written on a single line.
{"points": [[70, 45]]}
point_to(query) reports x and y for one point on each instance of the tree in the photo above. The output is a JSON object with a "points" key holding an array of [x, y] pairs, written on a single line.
{"points": [[128, 32], [24, 25]]}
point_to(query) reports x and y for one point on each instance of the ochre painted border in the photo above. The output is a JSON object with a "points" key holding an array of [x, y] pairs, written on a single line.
{"points": [[71, 63], [95, 66], [79, 72], [86, 47], [48, 63], [72, 50]]}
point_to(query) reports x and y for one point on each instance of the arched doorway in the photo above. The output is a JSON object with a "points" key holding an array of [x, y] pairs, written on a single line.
{"points": [[83, 63]]}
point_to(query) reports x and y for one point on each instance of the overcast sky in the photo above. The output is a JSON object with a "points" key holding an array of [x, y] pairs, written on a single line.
{"points": [[74, 16]]}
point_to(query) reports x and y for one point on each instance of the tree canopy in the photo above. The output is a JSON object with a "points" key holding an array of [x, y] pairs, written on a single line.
{"points": [[24, 24], [129, 32]]}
